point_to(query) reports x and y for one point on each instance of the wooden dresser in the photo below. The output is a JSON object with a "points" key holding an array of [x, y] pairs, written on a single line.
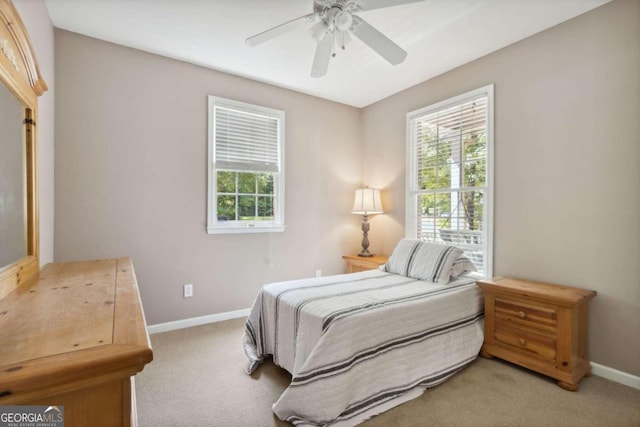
{"points": [[357, 263], [74, 336], [540, 326]]}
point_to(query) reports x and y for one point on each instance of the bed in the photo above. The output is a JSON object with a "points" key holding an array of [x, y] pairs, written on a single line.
{"points": [[359, 344]]}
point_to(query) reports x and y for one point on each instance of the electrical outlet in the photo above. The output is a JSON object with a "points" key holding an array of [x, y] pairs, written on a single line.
{"points": [[318, 273], [188, 290]]}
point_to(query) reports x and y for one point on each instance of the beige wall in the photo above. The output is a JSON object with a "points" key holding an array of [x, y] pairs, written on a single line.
{"points": [[567, 147], [35, 16], [131, 178], [131, 171]]}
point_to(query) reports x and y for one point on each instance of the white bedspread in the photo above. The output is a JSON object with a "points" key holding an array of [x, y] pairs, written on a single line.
{"points": [[359, 344]]}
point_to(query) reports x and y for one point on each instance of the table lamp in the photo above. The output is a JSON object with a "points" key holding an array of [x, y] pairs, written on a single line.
{"points": [[367, 203]]}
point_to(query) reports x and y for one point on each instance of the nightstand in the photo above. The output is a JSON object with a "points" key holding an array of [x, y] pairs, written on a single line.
{"points": [[539, 326], [357, 263]]}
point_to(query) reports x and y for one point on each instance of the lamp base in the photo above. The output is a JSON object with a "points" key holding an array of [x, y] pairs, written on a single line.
{"points": [[365, 254], [365, 239]]}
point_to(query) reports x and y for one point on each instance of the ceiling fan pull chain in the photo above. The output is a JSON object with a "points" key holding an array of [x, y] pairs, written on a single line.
{"points": [[333, 45]]}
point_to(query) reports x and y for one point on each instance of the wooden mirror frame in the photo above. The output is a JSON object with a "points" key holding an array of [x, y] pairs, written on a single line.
{"points": [[20, 75]]}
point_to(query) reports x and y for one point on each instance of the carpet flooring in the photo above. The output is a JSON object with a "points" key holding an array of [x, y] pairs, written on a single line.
{"points": [[197, 379]]}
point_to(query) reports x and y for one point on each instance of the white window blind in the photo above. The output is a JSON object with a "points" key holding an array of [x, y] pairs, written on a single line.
{"points": [[449, 175], [245, 141]]}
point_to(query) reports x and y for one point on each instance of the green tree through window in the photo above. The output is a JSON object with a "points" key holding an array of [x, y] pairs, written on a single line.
{"points": [[245, 196]]}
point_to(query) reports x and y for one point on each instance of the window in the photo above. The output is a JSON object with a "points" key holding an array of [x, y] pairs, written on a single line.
{"points": [[246, 168], [450, 174]]}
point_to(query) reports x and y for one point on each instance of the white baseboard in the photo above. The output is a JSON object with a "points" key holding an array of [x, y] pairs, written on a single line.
{"points": [[197, 321], [597, 369], [615, 375]]}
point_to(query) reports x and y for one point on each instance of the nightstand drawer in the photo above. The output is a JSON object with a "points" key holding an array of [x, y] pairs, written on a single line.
{"points": [[362, 266], [523, 340], [357, 263], [537, 317]]}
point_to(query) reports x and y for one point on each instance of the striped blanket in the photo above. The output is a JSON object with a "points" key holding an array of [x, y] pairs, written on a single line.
{"points": [[359, 344]]}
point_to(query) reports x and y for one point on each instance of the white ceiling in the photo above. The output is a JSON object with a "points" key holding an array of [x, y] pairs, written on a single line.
{"points": [[438, 35]]}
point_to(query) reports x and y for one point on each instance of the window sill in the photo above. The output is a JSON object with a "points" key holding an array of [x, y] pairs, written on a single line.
{"points": [[245, 229]]}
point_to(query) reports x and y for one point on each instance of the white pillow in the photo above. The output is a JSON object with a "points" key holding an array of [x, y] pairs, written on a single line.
{"points": [[400, 260], [423, 260], [462, 265]]}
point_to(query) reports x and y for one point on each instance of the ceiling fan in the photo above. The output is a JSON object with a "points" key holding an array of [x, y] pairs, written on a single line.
{"points": [[332, 23]]}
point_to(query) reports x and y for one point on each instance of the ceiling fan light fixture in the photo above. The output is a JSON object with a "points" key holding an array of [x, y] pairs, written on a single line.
{"points": [[343, 20]]}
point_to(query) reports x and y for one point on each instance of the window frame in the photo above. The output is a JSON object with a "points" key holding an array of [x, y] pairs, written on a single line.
{"points": [[412, 187], [214, 226]]}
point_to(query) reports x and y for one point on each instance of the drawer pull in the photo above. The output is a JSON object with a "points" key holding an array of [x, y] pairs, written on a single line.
{"points": [[522, 314], [522, 342]]}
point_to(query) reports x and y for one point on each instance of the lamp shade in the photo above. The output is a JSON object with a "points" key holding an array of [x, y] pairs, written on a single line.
{"points": [[367, 202]]}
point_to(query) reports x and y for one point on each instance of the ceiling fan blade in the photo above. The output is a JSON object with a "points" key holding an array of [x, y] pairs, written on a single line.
{"points": [[379, 4], [322, 56], [319, 30], [323, 3], [281, 29], [377, 41]]}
